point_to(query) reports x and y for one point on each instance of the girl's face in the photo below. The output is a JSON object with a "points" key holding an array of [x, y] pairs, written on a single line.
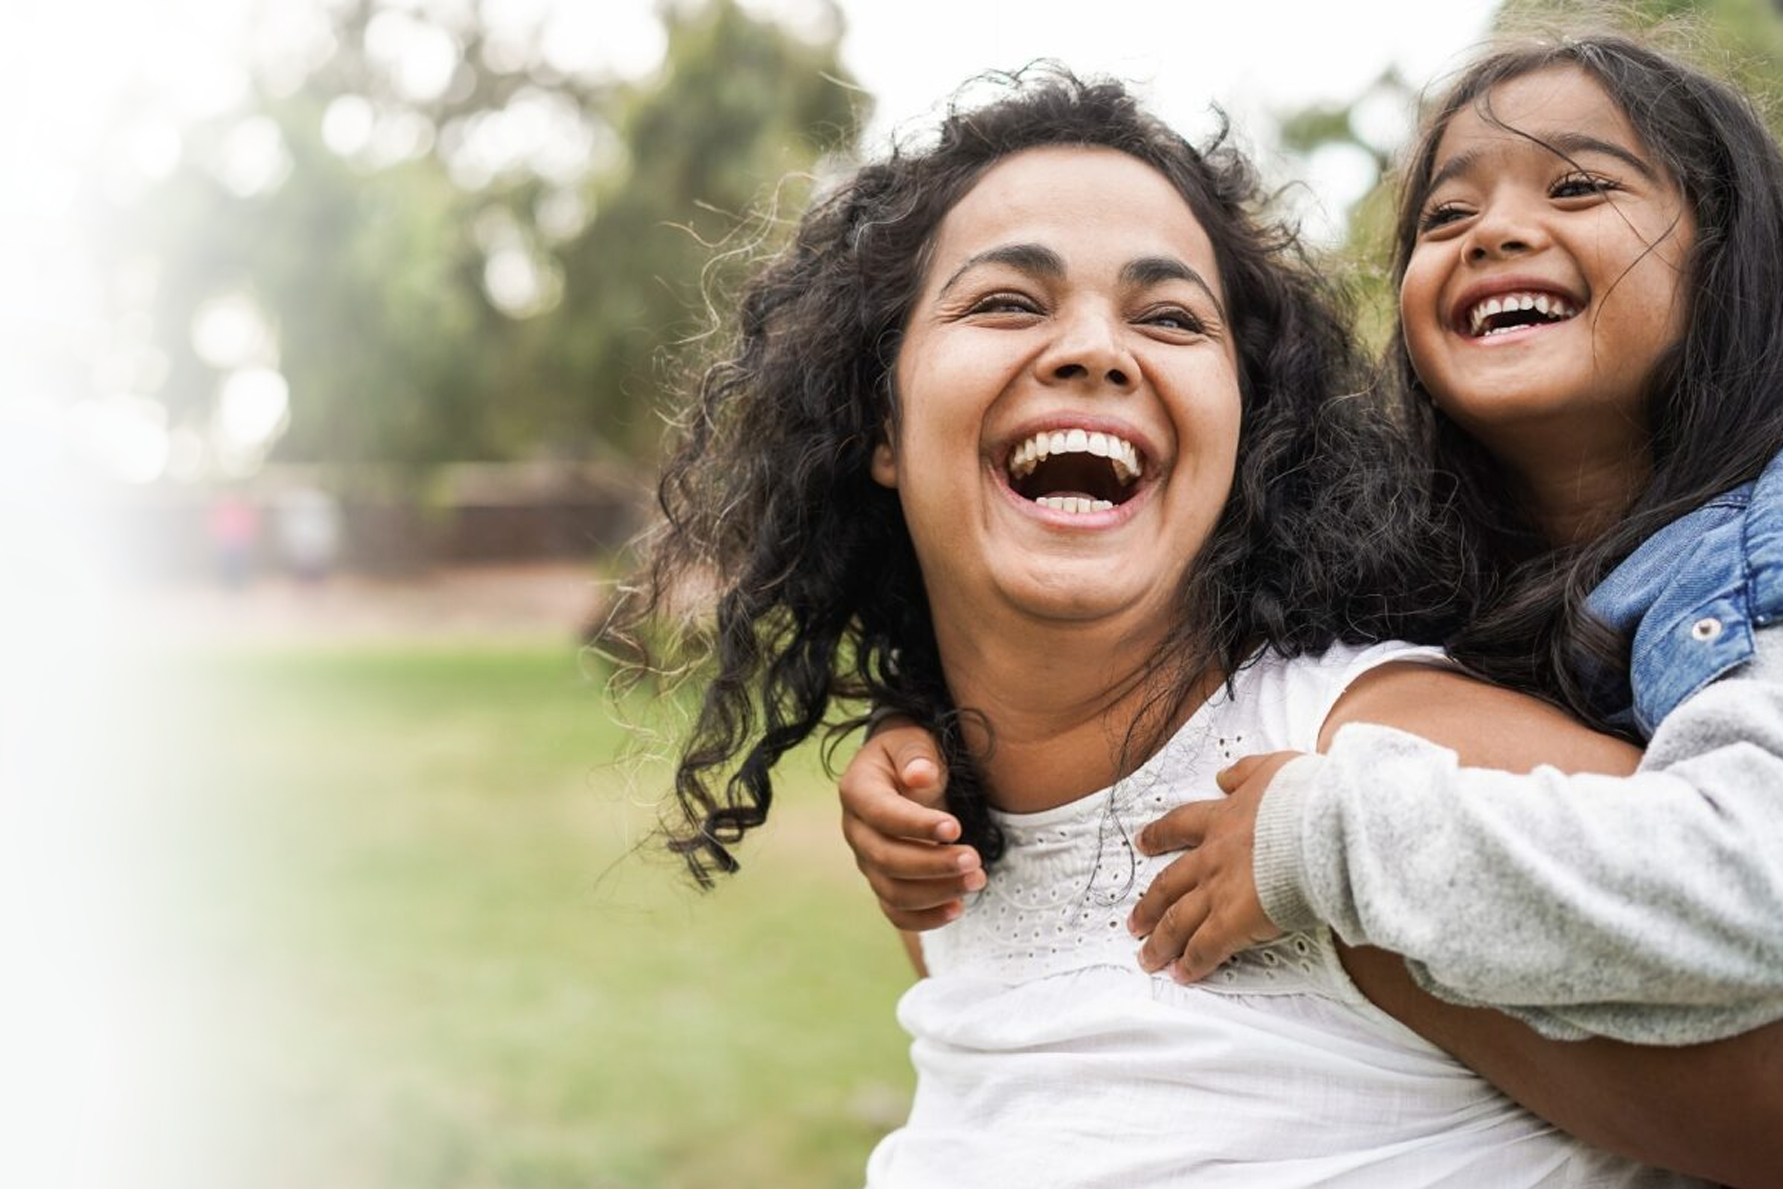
{"points": [[1548, 272], [1068, 397]]}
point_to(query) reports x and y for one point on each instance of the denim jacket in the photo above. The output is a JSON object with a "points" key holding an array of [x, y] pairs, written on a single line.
{"points": [[1691, 596]]}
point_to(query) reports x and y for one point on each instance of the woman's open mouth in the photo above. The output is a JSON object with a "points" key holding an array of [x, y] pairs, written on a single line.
{"points": [[1503, 313], [1075, 471]]}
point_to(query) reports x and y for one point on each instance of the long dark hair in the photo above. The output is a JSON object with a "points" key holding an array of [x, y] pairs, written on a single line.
{"points": [[768, 494], [1714, 402]]}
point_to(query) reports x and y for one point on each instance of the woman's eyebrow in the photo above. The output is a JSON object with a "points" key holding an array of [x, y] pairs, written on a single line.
{"points": [[1034, 259], [1152, 270]]}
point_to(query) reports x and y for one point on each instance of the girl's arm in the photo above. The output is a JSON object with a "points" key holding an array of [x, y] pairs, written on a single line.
{"points": [[1509, 883], [1422, 853], [913, 950], [1648, 908], [1712, 1110]]}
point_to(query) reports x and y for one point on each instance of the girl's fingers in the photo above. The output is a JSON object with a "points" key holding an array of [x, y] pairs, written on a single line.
{"points": [[1181, 828], [920, 895], [1233, 778], [1211, 943], [1175, 927], [919, 768], [873, 788], [894, 818], [1171, 885], [896, 858], [920, 922], [898, 817]]}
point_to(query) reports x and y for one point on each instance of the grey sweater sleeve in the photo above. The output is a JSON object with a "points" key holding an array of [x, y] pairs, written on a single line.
{"points": [[1647, 908]]}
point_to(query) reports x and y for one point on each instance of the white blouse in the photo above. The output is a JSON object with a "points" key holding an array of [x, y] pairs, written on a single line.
{"points": [[1046, 1057]]}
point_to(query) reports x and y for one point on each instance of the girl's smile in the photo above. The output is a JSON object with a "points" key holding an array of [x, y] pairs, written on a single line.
{"points": [[1067, 396], [1548, 276]]}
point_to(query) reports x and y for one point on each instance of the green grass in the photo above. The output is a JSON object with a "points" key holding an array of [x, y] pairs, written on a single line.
{"points": [[440, 959]]}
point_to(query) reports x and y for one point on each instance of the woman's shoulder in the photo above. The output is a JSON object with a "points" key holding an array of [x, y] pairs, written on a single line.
{"points": [[1289, 698]]}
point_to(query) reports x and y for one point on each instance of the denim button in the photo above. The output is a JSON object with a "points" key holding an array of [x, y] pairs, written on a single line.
{"points": [[1705, 629]]}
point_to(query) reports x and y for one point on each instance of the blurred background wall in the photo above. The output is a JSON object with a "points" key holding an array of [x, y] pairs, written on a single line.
{"points": [[337, 336]]}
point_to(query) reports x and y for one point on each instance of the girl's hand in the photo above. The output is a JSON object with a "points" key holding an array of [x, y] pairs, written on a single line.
{"points": [[1203, 908], [892, 795]]}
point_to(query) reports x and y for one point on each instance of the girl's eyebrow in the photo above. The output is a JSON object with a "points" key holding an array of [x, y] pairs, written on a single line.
{"points": [[1571, 144], [1565, 145]]}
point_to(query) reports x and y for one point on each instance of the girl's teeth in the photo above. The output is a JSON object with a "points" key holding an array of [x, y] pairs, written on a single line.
{"points": [[1552, 308]]}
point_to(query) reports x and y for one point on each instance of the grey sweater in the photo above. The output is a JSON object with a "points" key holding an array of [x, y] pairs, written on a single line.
{"points": [[1647, 908]]}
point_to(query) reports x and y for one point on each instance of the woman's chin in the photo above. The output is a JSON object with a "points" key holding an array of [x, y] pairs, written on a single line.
{"points": [[1077, 591]]}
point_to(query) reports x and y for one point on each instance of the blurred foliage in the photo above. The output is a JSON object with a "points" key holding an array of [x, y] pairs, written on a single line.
{"points": [[429, 307], [1738, 40], [440, 948]]}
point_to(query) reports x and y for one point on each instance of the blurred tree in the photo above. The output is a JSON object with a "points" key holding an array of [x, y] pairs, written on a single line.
{"points": [[740, 106], [465, 251]]}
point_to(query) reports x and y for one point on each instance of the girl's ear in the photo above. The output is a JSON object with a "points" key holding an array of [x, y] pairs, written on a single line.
{"points": [[885, 462]]}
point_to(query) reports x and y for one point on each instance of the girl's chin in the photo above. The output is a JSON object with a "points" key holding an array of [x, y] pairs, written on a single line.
{"points": [[1512, 398]]}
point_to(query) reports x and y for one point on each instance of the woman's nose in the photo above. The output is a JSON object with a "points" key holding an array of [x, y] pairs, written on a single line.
{"points": [[1090, 348]]}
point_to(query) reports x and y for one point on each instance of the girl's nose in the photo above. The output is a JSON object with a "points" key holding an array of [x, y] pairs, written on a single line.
{"points": [[1505, 229], [1090, 349]]}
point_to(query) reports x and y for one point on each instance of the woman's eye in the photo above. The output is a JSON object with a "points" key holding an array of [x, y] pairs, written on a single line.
{"points": [[1582, 185], [1005, 303], [1174, 318], [1441, 215]]}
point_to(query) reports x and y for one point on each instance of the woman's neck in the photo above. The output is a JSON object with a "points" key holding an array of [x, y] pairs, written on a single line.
{"points": [[1060, 707]]}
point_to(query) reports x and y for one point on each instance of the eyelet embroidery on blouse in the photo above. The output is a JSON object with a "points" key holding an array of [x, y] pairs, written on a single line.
{"points": [[1045, 924]]}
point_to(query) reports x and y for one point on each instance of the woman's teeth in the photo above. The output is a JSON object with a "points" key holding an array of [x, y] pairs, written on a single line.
{"points": [[1075, 504], [1506, 312], [1121, 454]]}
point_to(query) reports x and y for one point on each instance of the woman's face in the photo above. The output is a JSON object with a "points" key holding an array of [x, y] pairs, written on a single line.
{"points": [[1068, 397], [1548, 272]]}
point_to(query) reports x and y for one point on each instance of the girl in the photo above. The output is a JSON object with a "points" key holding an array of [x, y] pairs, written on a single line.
{"points": [[1588, 254], [1607, 171], [976, 457]]}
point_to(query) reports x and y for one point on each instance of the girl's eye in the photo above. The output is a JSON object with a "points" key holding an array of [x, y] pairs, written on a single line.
{"points": [[1582, 185], [1173, 318], [1441, 215]]}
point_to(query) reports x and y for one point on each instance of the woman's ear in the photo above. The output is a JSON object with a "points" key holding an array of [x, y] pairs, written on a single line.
{"points": [[885, 462]]}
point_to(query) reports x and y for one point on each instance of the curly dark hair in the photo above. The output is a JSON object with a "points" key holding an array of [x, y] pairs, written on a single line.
{"points": [[768, 493], [1714, 403]]}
